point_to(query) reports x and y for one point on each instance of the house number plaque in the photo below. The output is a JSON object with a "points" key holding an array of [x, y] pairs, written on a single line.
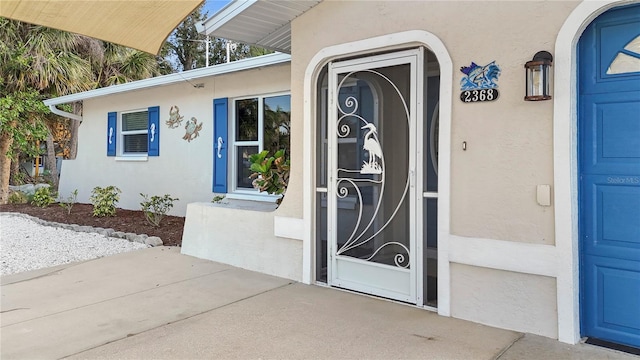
{"points": [[480, 83], [479, 95]]}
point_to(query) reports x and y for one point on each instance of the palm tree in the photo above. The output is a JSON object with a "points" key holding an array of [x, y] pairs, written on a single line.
{"points": [[110, 64], [41, 59], [56, 63]]}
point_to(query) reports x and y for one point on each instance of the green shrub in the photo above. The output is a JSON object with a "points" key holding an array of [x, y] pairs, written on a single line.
{"points": [[156, 208], [217, 199], [18, 197], [19, 178], [70, 201], [104, 200], [270, 173], [43, 197]]}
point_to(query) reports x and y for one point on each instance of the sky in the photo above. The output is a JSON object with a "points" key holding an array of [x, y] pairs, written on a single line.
{"points": [[213, 6]]}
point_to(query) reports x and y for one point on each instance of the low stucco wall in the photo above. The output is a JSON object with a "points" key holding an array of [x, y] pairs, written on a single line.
{"points": [[240, 237], [505, 299]]}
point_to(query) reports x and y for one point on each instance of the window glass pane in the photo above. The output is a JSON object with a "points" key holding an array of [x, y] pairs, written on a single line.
{"points": [[277, 121], [623, 64], [247, 120], [134, 121], [243, 166], [634, 45], [321, 237], [430, 252], [135, 143], [321, 129]]}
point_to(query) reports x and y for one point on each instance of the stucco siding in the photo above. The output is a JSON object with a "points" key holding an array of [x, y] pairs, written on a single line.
{"points": [[505, 299], [212, 232], [183, 169], [509, 141]]}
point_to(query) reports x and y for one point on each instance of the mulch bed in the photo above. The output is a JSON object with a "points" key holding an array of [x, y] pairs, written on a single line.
{"points": [[170, 229]]}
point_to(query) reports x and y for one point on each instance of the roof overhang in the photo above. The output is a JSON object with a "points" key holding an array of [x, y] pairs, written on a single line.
{"points": [[257, 22], [140, 24], [185, 76]]}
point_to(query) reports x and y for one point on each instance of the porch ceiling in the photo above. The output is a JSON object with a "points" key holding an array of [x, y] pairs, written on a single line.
{"points": [[140, 24], [257, 22]]}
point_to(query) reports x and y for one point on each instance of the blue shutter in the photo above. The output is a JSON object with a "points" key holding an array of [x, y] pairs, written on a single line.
{"points": [[112, 133], [154, 131], [220, 145]]}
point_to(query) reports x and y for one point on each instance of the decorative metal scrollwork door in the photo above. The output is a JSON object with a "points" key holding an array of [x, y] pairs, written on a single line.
{"points": [[371, 195]]}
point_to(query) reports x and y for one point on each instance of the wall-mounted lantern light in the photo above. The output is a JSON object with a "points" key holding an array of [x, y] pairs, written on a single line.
{"points": [[538, 76]]}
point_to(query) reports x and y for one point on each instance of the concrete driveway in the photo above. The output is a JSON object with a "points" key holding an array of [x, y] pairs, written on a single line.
{"points": [[159, 304]]}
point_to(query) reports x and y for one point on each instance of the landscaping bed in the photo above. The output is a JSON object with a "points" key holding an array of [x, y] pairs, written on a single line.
{"points": [[129, 221]]}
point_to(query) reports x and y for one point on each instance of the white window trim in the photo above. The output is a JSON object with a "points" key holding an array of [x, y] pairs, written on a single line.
{"points": [[122, 156], [254, 196], [234, 191], [132, 158]]}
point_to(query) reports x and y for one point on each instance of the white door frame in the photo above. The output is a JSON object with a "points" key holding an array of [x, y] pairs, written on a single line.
{"points": [[394, 41]]}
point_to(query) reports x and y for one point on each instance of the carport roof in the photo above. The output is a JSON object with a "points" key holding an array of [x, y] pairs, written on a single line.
{"points": [[257, 22]]}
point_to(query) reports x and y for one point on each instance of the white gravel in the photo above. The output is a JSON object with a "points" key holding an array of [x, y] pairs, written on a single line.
{"points": [[26, 245]]}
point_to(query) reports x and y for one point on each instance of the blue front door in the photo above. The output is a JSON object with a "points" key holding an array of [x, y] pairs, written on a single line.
{"points": [[609, 176]]}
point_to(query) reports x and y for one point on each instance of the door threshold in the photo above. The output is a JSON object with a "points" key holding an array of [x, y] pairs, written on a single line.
{"points": [[424, 307], [613, 346]]}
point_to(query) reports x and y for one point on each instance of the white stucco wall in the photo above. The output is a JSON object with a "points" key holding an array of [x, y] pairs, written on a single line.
{"points": [[237, 233], [504, 299], [183, 169], [509, 141]]}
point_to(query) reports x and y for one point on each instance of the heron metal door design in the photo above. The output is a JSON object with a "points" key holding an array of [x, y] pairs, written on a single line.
{"points": [[609, 133], [371, 195]]}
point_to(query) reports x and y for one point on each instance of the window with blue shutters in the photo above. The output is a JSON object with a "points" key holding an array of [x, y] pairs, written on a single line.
{"points": [[259, 123], [243, 127], [134, 133]]}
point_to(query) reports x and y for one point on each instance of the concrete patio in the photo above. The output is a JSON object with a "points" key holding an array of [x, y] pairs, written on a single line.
{"points": [[158, 304]]}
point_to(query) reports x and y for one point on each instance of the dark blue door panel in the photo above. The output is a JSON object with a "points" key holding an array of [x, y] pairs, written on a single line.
{"points": [[610, 128], [609, 172], [611, 216], [613, 304]]}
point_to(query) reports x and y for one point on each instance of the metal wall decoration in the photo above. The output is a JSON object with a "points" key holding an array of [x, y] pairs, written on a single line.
{"points": [[479, 83], [175, 119], [348, 184], [192, 129]]}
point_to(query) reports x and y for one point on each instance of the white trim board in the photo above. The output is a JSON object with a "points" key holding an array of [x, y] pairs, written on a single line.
{"points": [[288, 227], [504, 255], [186, 76]]}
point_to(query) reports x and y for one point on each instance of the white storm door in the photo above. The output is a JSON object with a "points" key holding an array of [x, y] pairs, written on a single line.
{"points": [[371, 195]]}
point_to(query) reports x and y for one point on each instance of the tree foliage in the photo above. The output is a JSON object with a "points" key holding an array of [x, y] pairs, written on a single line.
{"points": [[185, 49], [22, 115], [22, 119], [36, 63]]}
